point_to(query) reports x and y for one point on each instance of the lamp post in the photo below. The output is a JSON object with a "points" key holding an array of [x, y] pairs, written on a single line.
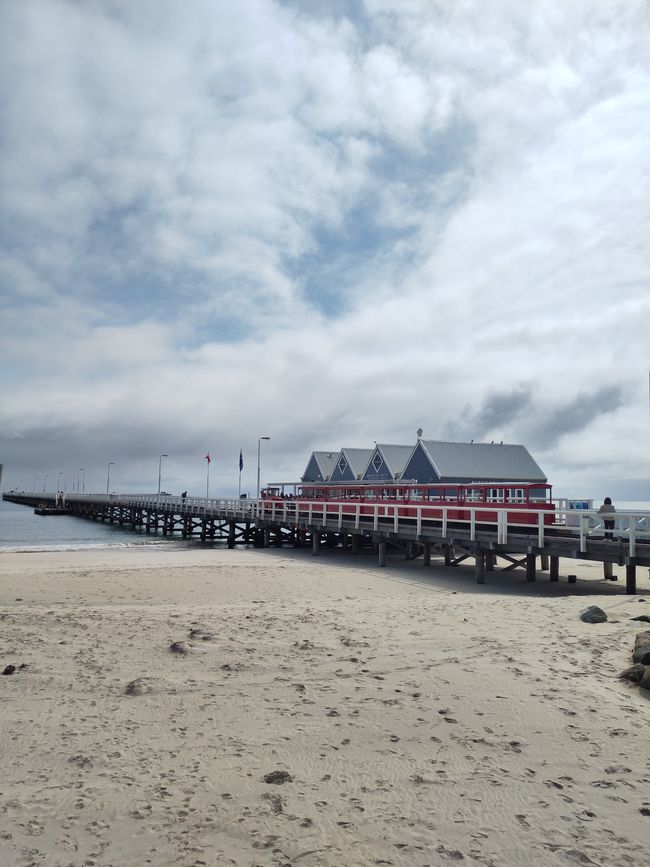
{"points": [[44, 483], [58, 482], [259, 445], [83, 489], [160, 470], [108, 475]]}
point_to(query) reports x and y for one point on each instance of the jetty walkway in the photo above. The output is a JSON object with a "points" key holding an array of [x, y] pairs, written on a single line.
{"points": [[504, 543]]}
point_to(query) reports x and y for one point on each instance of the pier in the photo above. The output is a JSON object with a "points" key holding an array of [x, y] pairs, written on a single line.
{"points": [[502, 544]]}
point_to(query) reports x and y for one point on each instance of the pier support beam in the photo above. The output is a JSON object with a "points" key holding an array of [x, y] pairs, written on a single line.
{"points": [[608, 571], [490, 560], [355, 543], [315, 543], [530, 567], [630, 575], [448, 555], [543, 562], [554, 568], [381, 552], [479, 567], [426, 553]]}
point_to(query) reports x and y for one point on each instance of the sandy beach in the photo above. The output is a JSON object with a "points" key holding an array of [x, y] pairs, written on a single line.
{"points": [[400, 716]]}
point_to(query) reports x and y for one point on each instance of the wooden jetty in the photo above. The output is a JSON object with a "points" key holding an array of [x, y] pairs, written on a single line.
{"points": [[261, 523], [51, 510]]}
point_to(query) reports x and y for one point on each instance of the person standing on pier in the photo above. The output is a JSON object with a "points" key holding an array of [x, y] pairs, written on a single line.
{"points": [[608, 509]]}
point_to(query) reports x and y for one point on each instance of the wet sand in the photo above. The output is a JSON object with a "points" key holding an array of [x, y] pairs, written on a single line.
{"points": [[405, 716]]}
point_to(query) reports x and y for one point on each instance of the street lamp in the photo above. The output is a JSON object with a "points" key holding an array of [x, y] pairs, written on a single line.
{"points": [[108, 475], [83, 490], [58, 482], [160, 470], [44, 483], [259, 445]]}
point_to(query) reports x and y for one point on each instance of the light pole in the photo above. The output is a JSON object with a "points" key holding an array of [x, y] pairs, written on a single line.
{"points": [[58, 482], [108, 475], [160, 470], [83, 489], [259, 445], [44, 483]]}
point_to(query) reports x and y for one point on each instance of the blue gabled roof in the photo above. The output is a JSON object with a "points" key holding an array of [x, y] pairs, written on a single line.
{"points": [[387, 462], [350, 464], [319, 467], [482, 461]]}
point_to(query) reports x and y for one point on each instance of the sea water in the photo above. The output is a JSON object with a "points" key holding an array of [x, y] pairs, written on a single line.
{"points": [[22, 530]]}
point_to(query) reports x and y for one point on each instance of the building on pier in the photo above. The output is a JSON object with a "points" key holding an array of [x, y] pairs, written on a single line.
{"points": [[428, 462], [350, 465], [387, 463], [435, 461], [320, 466]]}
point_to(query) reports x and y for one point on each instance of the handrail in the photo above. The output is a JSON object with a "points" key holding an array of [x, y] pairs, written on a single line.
{"points": [[630, 526]]}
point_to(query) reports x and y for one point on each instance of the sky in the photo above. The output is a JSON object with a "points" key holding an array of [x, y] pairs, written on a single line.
{"points": [[328, 223]]}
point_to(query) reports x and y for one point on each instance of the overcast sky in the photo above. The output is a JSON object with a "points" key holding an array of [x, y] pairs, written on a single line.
{"points": [[330, 223]]}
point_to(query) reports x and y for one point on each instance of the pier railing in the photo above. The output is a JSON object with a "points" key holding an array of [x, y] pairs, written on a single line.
{"points": [[631, 527]]}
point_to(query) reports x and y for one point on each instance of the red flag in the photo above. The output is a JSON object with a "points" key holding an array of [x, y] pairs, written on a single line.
{"points": [[207, 457]]}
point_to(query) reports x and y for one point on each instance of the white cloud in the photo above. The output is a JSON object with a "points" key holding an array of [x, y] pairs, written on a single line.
{"points": [[464, 188]]}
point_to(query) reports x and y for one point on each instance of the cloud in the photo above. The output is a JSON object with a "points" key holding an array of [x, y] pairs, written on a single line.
{"points": [[332, 224], [575, 415]]}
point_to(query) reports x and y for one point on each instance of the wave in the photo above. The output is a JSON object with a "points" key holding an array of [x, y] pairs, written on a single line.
{"points": [[88, 546]]}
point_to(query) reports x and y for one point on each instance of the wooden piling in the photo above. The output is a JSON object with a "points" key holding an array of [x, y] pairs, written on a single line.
{"points": [[530, 567], [630, 575], [479, 567]]}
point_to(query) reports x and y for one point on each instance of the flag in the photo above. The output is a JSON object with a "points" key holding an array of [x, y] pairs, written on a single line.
{"points": [[207, 457], [241, 461]]}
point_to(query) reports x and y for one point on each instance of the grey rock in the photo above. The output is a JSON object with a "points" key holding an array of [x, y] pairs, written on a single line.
{"points": [[179, 647], [644, 683], [593, 614], [642, 648], [278, 777], [634, 673]]}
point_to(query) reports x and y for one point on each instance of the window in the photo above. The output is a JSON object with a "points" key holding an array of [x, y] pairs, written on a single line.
{"points": [[377, 462]]}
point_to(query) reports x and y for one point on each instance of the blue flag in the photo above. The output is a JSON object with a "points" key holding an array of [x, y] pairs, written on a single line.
{"points": [[241, 461]]}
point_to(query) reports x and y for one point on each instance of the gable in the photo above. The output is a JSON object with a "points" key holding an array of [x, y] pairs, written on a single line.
{"points": [[419, 467]]}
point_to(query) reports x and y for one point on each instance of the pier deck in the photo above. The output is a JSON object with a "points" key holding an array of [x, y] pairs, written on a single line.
{"points": [[578, 536]]}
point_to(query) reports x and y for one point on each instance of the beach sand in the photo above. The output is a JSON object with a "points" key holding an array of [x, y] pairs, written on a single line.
{"points": [[410, 716]]}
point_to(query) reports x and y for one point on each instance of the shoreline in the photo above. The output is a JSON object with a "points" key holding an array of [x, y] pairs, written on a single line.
{"points": [[423, 719]]}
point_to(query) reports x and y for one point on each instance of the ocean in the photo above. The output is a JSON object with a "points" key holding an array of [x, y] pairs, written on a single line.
{"points": [[22, 530]]}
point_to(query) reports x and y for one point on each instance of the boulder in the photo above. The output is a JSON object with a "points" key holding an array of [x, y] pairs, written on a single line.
{"points": [[642, 648], [644, 683], [593, 614], [634, 673]]}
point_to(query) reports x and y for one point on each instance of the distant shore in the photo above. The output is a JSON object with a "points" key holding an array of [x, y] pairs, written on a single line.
{"points": [[400, 715]]}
